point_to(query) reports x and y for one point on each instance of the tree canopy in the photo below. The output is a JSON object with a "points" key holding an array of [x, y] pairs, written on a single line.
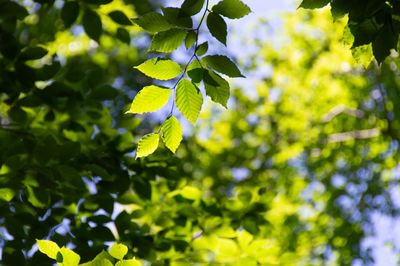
{"points": [[288, 175]]}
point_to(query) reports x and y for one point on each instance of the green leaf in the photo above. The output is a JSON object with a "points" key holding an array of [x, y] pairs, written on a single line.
{"points": [[192, 7], [69, 258], [188, 100], [150, 99], [202, 49], [223, 65], [311, 4], [176, 17], [153, 22], [217, 26], [192, 193], [158, 68], [48, 247], [92, 24], [123, 35], [98, 262], [33, 53], [191, 38], [231, 9], [131, 262], [147, 145], [172, 133], [69, 13], [217, 88], [196, 74], [118, 251], [6, 194], [168, 41], [119, 17]]}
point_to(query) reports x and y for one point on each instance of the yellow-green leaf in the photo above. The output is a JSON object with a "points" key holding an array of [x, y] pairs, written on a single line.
{"points": [[6, 194], [153, 22], [150, 99], [172, 133], [118, 251], [131, 262], [158, 68], [48, 247], [188, 100], [147, 145], [69, 258]]}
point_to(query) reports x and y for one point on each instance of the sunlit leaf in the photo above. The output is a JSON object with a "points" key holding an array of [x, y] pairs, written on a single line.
{"points": [[147, 145], [217, 88], [118, 251], [150, 99], [48, 247], [131, 262], [162, 69], [172, 133], [69, 257], [6, 194], [188, 100]]}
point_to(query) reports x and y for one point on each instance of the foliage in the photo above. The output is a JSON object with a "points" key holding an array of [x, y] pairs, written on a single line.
{"points": [[291, 176], [374, 24], [171, 29]]}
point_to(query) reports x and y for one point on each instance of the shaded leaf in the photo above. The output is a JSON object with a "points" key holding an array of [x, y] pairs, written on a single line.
{"points": [[192, 7], [119, 17], [92, 24], [217, 88], [231, 9], [311, 4], [191, 38], [178, 18], [168, 41], [223, 64], [217, 26], [153, 22], [123, 35], [202, 49], [69, 13], [33, 53]]}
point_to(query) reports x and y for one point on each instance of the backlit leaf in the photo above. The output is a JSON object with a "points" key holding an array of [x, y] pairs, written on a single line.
{"points": [[147, 145], [192, 7], [48, 247], [176, 17], [6, 194], [162, 69], [131, 262], [188, 100], [190, 39], [150, 99], [172, 133], [202, 49], [69, 257], [118, 251], [217, 88]]}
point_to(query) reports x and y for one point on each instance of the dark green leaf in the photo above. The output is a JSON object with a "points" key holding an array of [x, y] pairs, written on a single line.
{"points": [[192, 7], [168, 41], [196, 74], [178, 18], [92, 24], [384, 42], [69, 13], [191, 38], [217, 26], [123, 35], [33, 53], [311, 4], [119, 17], [231, 9], [202, 49], [216, 87], [223, 65]]}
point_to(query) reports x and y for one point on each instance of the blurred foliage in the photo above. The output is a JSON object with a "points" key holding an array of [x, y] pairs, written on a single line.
{"points": [[290, 175]]}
